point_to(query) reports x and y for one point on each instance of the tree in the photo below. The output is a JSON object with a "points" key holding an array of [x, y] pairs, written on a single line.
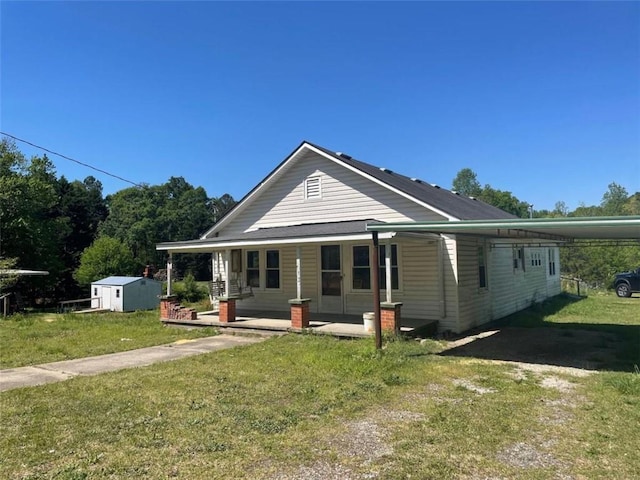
{"points": [[105, 257], [614, 200], [505, 201], [466, 183]]}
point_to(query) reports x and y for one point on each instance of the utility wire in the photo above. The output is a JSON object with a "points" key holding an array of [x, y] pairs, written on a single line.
{"points": [[71, 159]]}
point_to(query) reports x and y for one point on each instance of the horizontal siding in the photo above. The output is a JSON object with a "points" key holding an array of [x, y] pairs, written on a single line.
{"points": [[346, 196], [514, 289], [474, 302]]}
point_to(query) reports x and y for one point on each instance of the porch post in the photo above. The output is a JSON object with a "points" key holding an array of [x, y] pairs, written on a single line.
{"points": [[169, 268], [298, 273], [376, 290], [387, 268], [227, 275]]}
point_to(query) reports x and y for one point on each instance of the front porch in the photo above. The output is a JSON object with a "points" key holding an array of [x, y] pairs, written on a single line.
{"points": [[345, 326]]}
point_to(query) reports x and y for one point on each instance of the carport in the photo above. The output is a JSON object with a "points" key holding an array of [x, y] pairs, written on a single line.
{"points": [[621, 230]]}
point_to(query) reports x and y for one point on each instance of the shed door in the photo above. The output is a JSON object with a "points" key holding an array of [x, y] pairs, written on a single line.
{"points": [[106, 297], [331, 279]]}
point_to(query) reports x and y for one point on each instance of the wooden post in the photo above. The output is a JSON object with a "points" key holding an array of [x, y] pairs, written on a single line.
{"points": [[298, 273], [387, 269], [227, 274]]}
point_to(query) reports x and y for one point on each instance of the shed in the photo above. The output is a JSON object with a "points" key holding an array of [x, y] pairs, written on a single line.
{"points": [[125, 294]]}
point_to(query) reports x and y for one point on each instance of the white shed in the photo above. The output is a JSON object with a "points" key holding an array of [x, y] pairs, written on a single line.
{"points": [[125, 294]]}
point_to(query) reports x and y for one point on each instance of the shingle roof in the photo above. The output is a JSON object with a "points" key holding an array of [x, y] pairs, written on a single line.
{"points": [[456, 205], [325, 229]]}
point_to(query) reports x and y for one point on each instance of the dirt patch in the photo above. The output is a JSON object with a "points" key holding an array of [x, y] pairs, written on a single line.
{"points": [[523, 455], [469, 385], [561, 347]]}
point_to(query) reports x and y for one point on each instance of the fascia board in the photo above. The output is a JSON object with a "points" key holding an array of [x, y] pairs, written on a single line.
{"points": [[207, 247]]}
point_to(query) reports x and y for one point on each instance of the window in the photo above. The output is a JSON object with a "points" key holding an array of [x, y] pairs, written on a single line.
{"points": [[253, 268], [482, 268], [361, 268], [312, 188], [552, 262], [536, 259], [518, 258], [273, 269], [395, 282]]}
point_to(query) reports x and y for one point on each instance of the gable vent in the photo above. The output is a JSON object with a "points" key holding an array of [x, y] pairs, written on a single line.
{"points": [[386, 170], [312, 188]]}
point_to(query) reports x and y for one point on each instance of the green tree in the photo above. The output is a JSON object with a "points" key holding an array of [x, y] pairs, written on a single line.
{"points": [[105, 257], [466, 183], [614, 200], [505, 201], [30, 230]]}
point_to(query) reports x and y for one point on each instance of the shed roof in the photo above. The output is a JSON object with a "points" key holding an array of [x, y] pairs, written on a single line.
{"points": [[117, 280]]}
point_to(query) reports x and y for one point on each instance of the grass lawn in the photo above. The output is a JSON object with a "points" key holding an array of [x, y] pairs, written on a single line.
{"points": [[33, 339], [313, 407]]}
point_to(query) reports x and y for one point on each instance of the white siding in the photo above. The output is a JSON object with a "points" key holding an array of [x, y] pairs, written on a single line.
{"points": [[514, 289], [474, 306], [346, 195]]}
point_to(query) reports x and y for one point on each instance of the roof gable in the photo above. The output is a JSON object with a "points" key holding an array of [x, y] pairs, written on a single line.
{"points": [[449, 205]]}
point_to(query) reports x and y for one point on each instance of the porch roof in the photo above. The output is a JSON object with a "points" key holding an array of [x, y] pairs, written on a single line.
{"points": [[293, 234]]}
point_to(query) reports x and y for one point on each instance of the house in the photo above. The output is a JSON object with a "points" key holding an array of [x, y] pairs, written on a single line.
{"points": [[125, 294], [299, 240]]}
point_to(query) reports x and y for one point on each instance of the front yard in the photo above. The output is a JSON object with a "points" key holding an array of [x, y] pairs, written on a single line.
{"points": [[312, 407]]}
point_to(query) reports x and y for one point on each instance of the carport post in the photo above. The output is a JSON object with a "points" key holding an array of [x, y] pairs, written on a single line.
{"points": [[376, 290]]}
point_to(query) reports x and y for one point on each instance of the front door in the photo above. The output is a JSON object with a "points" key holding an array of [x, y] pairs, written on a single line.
{"points": [[106, 297], [331, 279]]}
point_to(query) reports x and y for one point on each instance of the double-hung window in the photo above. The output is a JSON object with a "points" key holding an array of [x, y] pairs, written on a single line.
{"points": [[265, 274], [482, 268], [273, 268], [253, 268], [361, 268]]}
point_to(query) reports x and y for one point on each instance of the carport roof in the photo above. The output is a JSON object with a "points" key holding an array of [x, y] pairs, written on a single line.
{"points": [[560, 229]]}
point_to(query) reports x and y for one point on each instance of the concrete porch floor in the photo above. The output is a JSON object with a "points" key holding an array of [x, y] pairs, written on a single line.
{"points": [[350, 326]]}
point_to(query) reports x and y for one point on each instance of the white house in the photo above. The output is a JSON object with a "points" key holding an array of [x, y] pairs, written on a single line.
{"points": [[301, 236], [125, 294]]}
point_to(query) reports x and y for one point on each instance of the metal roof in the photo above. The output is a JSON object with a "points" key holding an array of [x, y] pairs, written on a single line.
{"points": [[116, 280], [19, 272], [561, 229]]}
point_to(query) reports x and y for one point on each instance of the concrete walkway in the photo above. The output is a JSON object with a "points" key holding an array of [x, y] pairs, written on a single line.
{"points": [[59, 371]]}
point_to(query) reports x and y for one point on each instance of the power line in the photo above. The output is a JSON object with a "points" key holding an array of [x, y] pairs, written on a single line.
{"points": [[71, 159]]}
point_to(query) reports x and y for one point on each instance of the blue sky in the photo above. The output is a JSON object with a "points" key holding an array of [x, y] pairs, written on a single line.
{"points": [[541, 99]]}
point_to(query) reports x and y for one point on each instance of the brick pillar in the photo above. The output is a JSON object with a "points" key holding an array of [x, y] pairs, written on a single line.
{"points": [[166, 303], [390, 317], [227, 312], [299, 313]]}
